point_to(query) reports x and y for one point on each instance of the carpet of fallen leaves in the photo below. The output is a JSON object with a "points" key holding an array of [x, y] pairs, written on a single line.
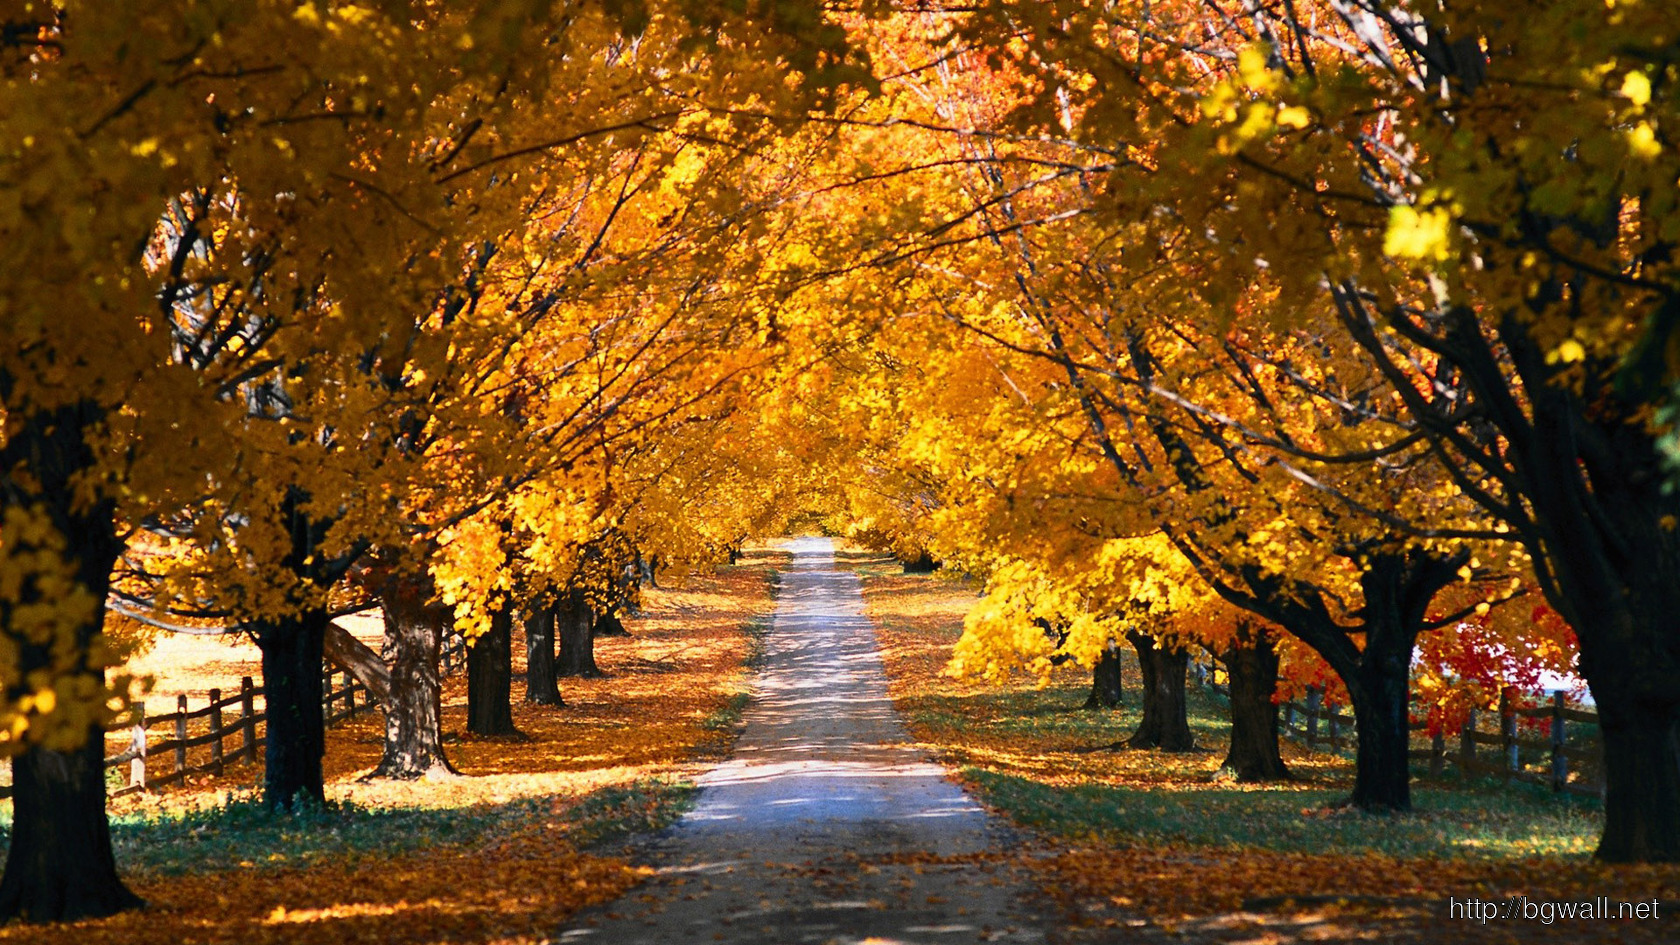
{"points": [[1169, 889], [656, 713]]}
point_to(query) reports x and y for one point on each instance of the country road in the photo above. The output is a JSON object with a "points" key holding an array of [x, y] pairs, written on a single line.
{"points": [[825, 826]]}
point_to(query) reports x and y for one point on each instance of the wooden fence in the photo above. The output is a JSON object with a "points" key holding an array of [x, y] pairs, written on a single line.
{"points": [[164, 749], [1568, 758]]}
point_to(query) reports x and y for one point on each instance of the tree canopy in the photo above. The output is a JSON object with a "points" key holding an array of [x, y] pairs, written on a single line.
{"points": [[1345, 328]]}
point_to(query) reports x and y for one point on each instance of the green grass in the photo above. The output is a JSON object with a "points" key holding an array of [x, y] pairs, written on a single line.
{"points": [[615, 813], [1447, 821], [758, 632], [241, 832], [728, 715], [1055, 712]]}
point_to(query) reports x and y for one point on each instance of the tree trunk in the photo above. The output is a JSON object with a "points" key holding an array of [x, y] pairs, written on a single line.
{"points": [[1641, 778], [414, 711], [1382, 763], [542, 683], [575, 625], [608, 625], [1629, 658], [1397, 590], [60, 866], [1166, 721], [292, 667], [1597, 490], [1106, 687], [490, 678], [59, 863], [1251, 663]]}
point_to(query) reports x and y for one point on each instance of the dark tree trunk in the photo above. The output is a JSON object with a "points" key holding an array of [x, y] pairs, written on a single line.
{"points": [[575, 625], [923, 563], [292, 663], [1397, 590], [1641, 778], [1106, 686], [608, 625], [296, 738], [59, 863], [490, 678], [1399, 582], [1397, 587], [414, 712], [60, 866], [1251, 663], [1628, 624], [1382, 762], [542, 682], [1166, 721]]}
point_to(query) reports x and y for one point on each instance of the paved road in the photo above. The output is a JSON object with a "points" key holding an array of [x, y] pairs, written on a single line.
{"points": [[825, 826]]}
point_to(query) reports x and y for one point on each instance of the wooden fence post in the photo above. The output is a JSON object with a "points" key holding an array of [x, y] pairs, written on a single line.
{"points": [[137, 742], [1334, 718], [180, 733], [1560, 761], [247, 720], [1437, 752], [1315, 698], [1289, 718], [1508, 735], [1467, 743], [216, 731]]}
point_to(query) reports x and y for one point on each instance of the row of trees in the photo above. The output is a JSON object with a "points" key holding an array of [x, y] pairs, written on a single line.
{"points": [[309, 305], [1330, 327]]}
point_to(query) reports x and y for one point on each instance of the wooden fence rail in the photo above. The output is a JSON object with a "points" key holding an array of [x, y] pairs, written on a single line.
{"points": [[1549, 760], [216, 725]]}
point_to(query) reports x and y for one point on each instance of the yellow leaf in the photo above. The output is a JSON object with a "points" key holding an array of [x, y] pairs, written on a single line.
{"points": [[1294, 116], [1637, 87], [1569, 352], [1642, 141], [1414, 234], [1251, 64]]}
